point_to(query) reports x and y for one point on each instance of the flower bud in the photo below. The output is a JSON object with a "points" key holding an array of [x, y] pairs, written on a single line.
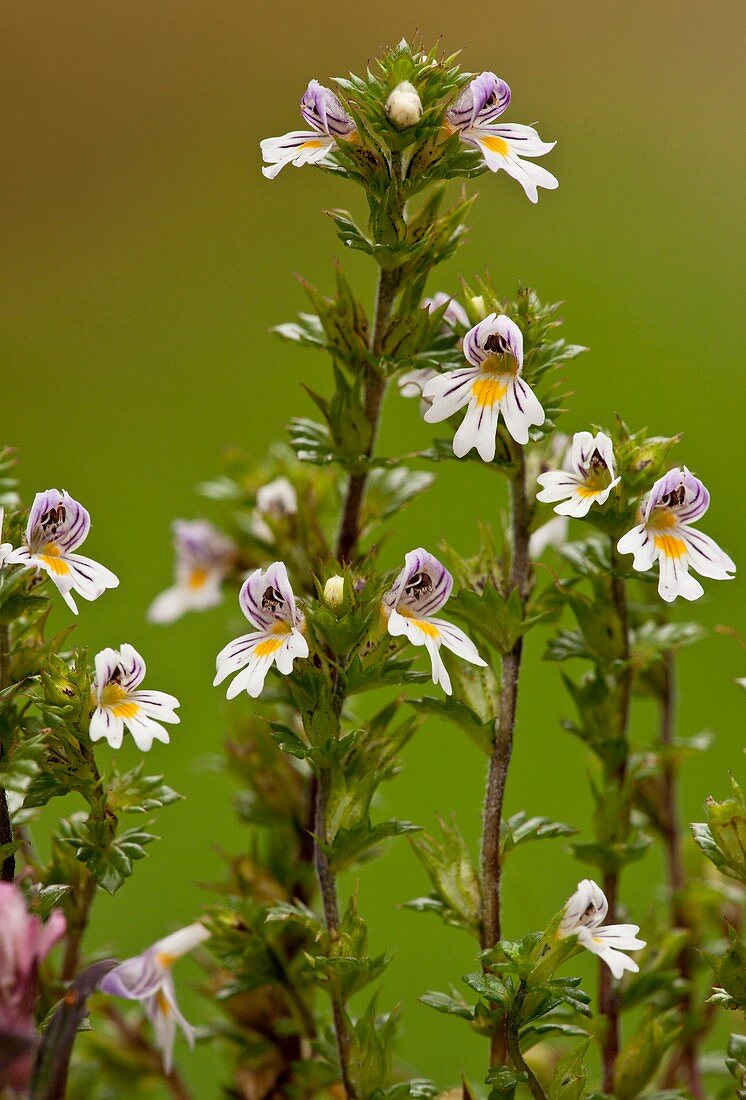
{"points": [[477, 306], [727, 821], [404, 106], [334, 591]]}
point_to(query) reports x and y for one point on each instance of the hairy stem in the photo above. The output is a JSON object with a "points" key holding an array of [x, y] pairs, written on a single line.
{"points": [[8, 870], [83, 902], [328, 890], [375, 390], [607, 994], [685, 1062], [83, 899], [514, 1044], [505, 725]]}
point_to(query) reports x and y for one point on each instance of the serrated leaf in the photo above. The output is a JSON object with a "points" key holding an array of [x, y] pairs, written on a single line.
{"points": [[441, 1002]]}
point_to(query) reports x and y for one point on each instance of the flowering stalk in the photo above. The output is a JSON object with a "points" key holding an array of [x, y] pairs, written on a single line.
{"points": [[330, 902], [375, 390], [617, 770], [686, 1059], [505, 725], [512, 1031]]}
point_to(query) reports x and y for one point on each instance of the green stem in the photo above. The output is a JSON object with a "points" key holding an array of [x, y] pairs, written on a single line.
{"points": [[514, 1044], [686, 1061], [375, 391], [8, 870], [84, 898], [503, 743], [330, 903], [505, 724], [607, 994]]}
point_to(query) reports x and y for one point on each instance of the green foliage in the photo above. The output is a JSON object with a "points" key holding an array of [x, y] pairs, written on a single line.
{"points": [[641, 1055], [736, 1063], [457, 895], [723, 836], [730, 969], [520, 829], [569, 1077]]}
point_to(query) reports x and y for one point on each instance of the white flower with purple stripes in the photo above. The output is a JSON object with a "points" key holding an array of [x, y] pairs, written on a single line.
{"points": [[147, 978], [491, 385], [120, 705], [323, 112], [267, 601], [454, 314], [584, 917], [203, 558], [664, 534], [421, 589], [57, 525], [589, 479], [503, 146]]}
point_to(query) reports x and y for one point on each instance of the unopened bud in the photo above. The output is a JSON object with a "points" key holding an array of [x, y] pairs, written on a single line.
{"points": [[476, 306], [404, 106], [334, 591]]}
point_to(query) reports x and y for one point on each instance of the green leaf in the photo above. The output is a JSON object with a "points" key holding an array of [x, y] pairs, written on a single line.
{"points": [[441, 1002], [459, 714], [352, 846], [569, 1078], [452, 873], [289, 741], [504, 1082], [133, 792], [491, 988], [520, 829]]}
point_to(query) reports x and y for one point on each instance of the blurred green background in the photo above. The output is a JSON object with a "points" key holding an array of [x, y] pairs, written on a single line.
{"points": [[146, 257]]}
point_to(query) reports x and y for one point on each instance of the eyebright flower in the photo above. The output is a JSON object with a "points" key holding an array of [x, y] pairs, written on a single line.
{"points": [[147, 978], [455, 313], [663, 534], [24, 944], [584, 917], [119, 706], [322, 111], [276, 500], [413, 382], [589, 479], [421, 589], [474, 114], [203, 558], [404, 106], [56, 526], [491, 385], [267, 601]]}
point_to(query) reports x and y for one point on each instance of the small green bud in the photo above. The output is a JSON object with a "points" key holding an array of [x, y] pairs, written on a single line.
{"points": [[732, 971], [727, 822]]}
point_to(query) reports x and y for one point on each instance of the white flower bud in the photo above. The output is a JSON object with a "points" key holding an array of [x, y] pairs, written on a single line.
{"points": [[404, 106], [334, 591], [478, 308]]}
